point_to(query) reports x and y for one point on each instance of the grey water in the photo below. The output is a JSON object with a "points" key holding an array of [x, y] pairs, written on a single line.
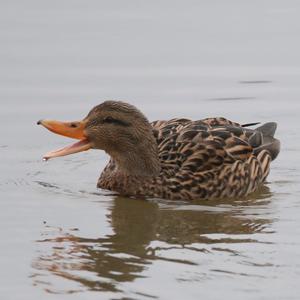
{"points": [[60, 236]]}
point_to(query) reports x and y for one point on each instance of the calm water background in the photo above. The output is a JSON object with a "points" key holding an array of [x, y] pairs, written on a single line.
{"points": [[61, 237]]}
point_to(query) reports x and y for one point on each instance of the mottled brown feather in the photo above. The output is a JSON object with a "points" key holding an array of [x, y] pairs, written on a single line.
{"points": [[209, 158]]}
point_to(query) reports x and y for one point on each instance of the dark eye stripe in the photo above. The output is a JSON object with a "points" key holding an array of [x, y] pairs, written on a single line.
{"points": [[115, 121]]}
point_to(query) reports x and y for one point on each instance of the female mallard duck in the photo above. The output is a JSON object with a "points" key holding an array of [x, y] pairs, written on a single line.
{"points": [[175, 159]]}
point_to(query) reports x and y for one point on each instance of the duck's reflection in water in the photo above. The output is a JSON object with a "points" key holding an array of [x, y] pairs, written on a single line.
{"points": [[145, 231]]}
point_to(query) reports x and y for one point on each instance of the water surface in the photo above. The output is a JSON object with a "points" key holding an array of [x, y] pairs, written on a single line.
{"points": [[61, 236]]}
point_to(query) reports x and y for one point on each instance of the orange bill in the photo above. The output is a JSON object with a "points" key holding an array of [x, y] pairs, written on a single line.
{"points": [[73, 130]]}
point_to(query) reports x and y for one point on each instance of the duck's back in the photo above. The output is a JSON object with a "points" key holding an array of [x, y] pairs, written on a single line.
{"points": [[212, 158]]}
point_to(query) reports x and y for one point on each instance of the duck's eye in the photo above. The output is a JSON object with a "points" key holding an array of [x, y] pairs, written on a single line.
{"points": [[111, 120]]}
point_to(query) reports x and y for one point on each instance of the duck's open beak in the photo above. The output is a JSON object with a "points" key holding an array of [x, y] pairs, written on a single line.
{"points": [[75, 130]]}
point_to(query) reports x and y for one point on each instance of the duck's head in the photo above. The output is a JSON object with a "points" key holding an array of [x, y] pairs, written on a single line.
{"points": [[116, 127]]}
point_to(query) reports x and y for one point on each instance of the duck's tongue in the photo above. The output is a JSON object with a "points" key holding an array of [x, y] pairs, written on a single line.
{"points": [[80, 146], [74, 130]]}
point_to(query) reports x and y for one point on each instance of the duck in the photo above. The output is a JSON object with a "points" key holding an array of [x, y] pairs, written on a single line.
{"points": [[176, 159]]}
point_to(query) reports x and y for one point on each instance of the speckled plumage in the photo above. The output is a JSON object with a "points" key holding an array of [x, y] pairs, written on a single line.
{"points": [[177, 159], [209, 158]]}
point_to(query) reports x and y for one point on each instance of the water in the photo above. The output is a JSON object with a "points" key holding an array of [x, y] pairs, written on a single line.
{"points": [[62, 237]]}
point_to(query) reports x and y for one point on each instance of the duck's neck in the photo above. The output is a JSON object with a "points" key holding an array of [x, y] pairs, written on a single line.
{"points": [[140, 160]]}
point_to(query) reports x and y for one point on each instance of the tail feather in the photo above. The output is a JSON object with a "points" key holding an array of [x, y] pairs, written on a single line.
{"points": [[250, 124], [256, 139], [272, 147], [263, 139], [267, 129]]}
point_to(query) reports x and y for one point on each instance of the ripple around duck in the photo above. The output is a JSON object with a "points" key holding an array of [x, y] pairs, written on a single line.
{"points": [[16, 182], [93, 195], [145, 233], [47, 184]]}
